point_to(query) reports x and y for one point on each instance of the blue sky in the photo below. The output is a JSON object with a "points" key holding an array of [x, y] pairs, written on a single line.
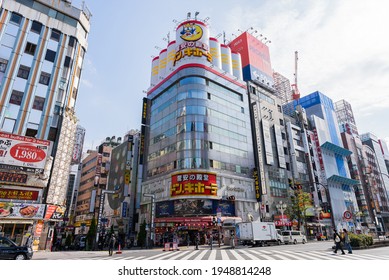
{"points": [[343, 52]]}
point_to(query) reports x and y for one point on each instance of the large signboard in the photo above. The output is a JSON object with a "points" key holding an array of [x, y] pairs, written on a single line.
{"points": [[255, 58], [10, 210], [194, 207], [78, 145], [193, 183], [192, 42], [54, 212], [25, 152], [16, 194]]}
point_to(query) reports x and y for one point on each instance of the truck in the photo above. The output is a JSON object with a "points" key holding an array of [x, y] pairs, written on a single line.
{"points": [[258, 233]]}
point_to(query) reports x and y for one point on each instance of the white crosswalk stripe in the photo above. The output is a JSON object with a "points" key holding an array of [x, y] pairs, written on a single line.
{"points": [[191, 254], [201, 255], [262, 255], [236, 255], [212, 256], [285, 256]]}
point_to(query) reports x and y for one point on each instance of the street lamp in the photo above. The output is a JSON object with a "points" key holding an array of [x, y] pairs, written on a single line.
{"points": [[152, 226], [282, 207], [317, 212]]}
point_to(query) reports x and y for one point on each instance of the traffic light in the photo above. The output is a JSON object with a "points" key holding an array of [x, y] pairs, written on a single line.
{"points": [[290, 183]]}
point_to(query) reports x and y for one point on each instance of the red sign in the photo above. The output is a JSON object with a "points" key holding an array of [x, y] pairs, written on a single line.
{"points": [[13, 177], [347, 215], [193, 183], [18, 194]]}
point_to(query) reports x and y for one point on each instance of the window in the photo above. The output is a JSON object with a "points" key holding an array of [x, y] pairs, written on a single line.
{"points": [[16, 97], [55, 35], [52, 134], [72, 41], [74, 95], [8, 125], [44, 79], [23, 72], [36, 27], [3, 65], [68, 61], [30, 48], [15, 18], [38, 104], [50, 55], [281, 122]]}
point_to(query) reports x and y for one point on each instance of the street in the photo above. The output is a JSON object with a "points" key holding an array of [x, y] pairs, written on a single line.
{"points": [[308, 251]]}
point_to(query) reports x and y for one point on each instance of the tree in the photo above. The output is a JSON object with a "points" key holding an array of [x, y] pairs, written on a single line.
{"points": [[301, 201], [91, 235], [142, 234]]}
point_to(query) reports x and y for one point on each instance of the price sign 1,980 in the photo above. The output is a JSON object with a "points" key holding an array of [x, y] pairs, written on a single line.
{"points": [[27, 153]]}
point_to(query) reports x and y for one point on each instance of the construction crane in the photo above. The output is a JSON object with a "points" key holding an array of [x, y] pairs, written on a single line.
{"points": [[295, 90]]}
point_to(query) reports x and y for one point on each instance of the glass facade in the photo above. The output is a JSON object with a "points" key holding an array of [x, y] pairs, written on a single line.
{"points": [[196, 123]]}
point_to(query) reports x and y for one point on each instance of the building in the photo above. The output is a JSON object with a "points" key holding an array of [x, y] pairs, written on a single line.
{"points": [[282, 87], [42, 46], [198, 145], [332, 176], [94, 178], [378, 179], [120, 208]]}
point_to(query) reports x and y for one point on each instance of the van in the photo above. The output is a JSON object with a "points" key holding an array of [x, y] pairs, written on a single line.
{"points": [[293, 236]]}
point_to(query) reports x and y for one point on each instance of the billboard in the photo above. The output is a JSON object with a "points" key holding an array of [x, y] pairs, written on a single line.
{"points": [[193, 183], [78, 145], [21, 210], [255, 58], [23, 153]]}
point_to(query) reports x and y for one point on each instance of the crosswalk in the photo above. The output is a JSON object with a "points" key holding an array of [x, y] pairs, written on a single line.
{"points": [[242, 254]]}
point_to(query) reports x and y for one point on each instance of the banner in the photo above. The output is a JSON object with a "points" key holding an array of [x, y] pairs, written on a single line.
{"points": [[10, 210]]}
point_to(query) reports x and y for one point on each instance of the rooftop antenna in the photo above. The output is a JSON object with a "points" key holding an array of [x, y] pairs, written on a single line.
{"points": [[196, 14], [295, 91]]}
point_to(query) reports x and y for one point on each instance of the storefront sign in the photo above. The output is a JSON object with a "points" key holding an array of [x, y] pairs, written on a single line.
{"points": [[28, 152], [193, 184], [10, 210], [13, 177], [54, 212], [18, 194]]}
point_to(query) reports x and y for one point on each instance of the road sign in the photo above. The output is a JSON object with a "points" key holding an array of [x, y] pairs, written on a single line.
{"points": [[347, 215]]}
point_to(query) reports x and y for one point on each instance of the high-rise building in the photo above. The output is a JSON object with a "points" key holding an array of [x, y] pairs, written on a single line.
{"points": [[332, 175], [199, 158], [42, 46], [282, 87]]}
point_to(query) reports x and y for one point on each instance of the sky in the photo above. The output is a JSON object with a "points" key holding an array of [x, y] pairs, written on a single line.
{"points": [[343, 50]]}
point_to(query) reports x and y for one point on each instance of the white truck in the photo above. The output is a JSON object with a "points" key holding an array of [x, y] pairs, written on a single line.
{"points": [[258, 233]]}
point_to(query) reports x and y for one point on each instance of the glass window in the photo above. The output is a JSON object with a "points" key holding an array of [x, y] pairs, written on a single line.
{"points": [[68, 61], [3, 65], [16, 97], [55, 35], [23, 72], [38, 104], [15, 18], [72, 41], [44, 78], [30, 48], [50, 55], [36, 27], [8, 125], [192, 80]]}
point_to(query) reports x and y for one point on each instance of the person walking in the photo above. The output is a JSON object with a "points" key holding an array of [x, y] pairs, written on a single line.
{"points": [[211, 240], [232, 240], [111, 244], [197, 241], [346, 239], [338, 242]]}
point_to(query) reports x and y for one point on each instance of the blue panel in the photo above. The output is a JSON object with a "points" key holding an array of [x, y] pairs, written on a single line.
{"points": [[341, 166], [251, 73]]}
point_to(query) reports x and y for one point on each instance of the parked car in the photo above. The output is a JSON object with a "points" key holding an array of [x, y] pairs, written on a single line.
{"points": [[293, 236], [9, 250]]}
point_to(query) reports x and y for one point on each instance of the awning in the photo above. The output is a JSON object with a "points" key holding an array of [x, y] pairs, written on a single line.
{"points": [[336, 149], [343, 180], [5, 221]]}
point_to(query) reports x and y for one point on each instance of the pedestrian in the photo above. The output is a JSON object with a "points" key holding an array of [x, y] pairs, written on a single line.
{"points": [[346, 239], [338, 242], [232, 240], [197, 240], [111, 244], [188, 240], [211, 240]]}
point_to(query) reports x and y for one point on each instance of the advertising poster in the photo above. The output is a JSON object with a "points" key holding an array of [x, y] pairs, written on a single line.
{"points": [[21, 151], [11, 210]]}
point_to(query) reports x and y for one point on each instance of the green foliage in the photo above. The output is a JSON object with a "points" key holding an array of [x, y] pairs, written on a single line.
{"points": [[142, 234], [91, 235], [301, 201], [360, 240]]}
